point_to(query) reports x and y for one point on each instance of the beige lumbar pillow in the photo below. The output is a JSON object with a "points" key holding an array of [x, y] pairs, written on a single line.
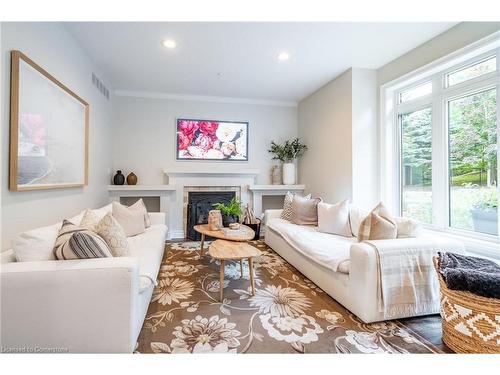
{"points": [[334, 218], [408, 228], [286, 214], [305, 211], [114, 235], [74, 242], [139, 206], [378, 225], [132, 221]]}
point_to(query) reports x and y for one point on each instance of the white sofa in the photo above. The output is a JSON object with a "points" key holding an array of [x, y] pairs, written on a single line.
{"points": [[81, 306], [355, 283]]}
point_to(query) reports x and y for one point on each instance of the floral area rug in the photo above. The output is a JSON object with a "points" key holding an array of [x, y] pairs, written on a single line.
{"points": [[287, 314]]}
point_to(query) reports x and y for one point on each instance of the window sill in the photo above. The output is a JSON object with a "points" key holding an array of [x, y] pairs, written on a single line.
{"points": [[484, 248]]}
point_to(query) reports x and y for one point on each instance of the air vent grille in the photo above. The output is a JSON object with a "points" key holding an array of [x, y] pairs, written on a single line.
{"points": [[100, 86]]}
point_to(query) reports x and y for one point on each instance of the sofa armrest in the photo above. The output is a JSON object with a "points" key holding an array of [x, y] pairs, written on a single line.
{"points": [[272, 214], [157, 218], [75, 305]]}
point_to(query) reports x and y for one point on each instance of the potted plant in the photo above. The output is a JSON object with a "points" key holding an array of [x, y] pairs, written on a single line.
{"points": [[287, 153], [485, 213], [231, 211]]}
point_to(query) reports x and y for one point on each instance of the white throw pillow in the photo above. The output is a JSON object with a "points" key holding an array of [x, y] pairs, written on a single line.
{"points": [[356, 216], [89, 220], [131, 221], [139, 206], [103, 211], [408, 228], [334, 218], [37, 244]]}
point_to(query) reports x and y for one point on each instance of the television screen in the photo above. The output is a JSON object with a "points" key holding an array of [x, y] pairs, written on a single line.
{"points": [[212, 140]]}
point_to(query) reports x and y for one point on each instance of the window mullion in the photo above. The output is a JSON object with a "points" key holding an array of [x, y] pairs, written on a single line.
{"points": [[439, 163]]}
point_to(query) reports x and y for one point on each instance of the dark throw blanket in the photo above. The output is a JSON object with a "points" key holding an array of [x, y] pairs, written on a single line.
{"points": [[475, 275]]}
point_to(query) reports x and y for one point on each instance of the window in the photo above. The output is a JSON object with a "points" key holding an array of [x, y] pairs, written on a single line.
{"points": [[415, 92], [472, 71], [416, 173], [472, 132], [440, 144]]}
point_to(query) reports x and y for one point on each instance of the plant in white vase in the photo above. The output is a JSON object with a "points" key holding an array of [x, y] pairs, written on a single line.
{"points": [[287, 153]]}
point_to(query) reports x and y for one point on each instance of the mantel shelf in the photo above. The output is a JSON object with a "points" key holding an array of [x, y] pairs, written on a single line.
{"points": [[268, 188], [208, 173], [125, 188]]}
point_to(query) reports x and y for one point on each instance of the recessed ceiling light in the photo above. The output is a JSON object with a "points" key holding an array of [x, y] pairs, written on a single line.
{"points": [[283, 56], [168, 43]]}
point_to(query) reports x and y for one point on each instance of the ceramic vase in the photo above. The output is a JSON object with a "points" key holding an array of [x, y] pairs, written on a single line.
{"points": [[288, 174], [131, 179], [119, 178], [276, 175]]}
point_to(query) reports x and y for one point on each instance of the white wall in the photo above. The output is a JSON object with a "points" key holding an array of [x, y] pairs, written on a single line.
{"points": [[324, 123], [144, 135], [51, 46], [365, 167]]}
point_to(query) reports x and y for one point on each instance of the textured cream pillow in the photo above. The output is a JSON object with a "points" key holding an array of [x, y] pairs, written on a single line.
{"points": [[408, 228], [132, 221], [114, 235], [286, 213], [139, 206], [89, 220], [334, 218], [378, 225], [305, 211]]}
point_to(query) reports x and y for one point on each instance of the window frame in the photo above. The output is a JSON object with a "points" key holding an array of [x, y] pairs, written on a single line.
{"points": [[390, 128]]}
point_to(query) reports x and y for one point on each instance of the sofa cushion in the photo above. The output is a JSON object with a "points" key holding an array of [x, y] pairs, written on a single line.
{"points": [[334, 218], [305, 211], [325, 249], [74, 242], [356, 216], [286, 213], [408, 228], [139, 206], [148, 247], [132, 221], [114, 235], [378, 225], [37, 244], [89, 220]]}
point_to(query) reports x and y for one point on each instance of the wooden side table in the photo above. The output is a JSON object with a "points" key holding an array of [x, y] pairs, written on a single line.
{"points": [[230, 250], [243, 234]]}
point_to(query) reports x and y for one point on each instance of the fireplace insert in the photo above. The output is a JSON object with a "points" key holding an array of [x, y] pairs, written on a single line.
{"points": [[199, 204]]}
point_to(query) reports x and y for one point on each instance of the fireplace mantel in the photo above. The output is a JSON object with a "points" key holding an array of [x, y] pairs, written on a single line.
{"points": [[213, 173]]}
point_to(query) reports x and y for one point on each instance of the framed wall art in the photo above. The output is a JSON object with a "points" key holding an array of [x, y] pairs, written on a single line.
{"points": [[211, 140], [49, 130]]}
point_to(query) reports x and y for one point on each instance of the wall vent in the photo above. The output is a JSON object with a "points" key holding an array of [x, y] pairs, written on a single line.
{"points": [[100, 86]]}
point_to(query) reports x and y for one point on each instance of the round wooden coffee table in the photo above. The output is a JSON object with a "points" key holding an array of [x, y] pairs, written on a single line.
{"points": [[239, 235], [230, 250]]}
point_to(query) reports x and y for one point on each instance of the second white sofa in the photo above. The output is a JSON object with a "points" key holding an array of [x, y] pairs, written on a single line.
{"points": [[355, 284]]}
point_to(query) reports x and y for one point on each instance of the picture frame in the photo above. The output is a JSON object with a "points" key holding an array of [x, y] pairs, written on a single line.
{"points": [[211, 140], [49, 130]]}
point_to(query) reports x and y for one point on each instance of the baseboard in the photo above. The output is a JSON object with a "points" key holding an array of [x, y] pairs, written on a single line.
{"points": [[175, 234]]}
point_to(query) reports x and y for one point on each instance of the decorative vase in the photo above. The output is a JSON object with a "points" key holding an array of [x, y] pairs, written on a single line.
{"points": [[228, 219], [288, 174], [276, 175], [119, 178], [131, 179], [214, 220]]}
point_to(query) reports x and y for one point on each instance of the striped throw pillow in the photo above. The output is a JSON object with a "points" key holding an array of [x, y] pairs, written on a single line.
{"points": [[74, 242], [286, 214]]}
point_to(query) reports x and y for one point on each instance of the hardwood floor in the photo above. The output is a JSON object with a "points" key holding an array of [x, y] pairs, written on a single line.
{"points": [[429, 327]]}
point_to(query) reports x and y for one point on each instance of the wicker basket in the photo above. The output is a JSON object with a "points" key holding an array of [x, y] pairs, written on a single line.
{"points": [[471, 323]]}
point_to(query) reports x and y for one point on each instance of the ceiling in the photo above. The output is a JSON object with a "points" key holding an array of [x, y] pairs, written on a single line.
{"points": [[239, 60]]}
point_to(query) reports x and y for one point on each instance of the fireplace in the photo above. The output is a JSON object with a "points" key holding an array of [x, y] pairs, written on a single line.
{"points": [[199, 204]]}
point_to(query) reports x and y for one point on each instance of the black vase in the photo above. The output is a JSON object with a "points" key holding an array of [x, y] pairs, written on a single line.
{"points": [[228, 219], [119, 179]]}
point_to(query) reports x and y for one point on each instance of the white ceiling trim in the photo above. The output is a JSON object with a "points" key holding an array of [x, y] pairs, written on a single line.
{"points": [[202, 98]]}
